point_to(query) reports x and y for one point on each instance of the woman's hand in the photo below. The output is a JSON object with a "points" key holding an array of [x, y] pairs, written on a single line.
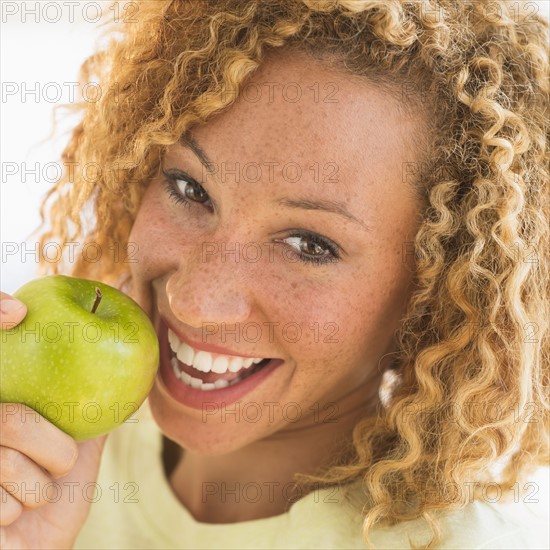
{"points": [[43, 471]]}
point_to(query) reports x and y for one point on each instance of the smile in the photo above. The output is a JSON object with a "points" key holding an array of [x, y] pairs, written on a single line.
{"points": [[205, 371]]}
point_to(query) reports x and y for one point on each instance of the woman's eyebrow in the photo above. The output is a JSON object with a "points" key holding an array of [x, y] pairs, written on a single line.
{"points": [[322, 204], [187, 140]]}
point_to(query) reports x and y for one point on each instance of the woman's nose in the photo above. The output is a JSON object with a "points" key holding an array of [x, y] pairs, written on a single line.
{"points": [[209, 290]]}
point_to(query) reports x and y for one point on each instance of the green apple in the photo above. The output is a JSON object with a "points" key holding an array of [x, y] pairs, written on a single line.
{"points": [[84, 357]]}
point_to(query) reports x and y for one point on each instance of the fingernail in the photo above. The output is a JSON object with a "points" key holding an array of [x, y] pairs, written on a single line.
{"points": [[10, 305]]}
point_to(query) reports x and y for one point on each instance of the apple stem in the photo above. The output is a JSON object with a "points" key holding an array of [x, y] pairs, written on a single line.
{"points": [[97, 299]]}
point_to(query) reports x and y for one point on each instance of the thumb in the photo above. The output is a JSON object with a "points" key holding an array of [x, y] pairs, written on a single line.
{"points": [[86, 469], [12, 311], [89, 453]]}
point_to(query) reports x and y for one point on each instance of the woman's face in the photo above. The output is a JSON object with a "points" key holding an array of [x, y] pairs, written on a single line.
{"points": [[291, 249]]}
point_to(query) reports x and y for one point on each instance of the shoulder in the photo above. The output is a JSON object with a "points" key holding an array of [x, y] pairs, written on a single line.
{"points": [[336, 519], [481, 525]]}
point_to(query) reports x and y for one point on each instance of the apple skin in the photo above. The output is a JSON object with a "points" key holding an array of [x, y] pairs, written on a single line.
{"points": [[85, 372]]}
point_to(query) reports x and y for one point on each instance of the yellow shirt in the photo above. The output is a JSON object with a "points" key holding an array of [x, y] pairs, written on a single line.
{"points": [[135, 508]]}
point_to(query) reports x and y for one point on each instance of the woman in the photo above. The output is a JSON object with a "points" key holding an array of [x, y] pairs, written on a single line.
{"points": [[330, 211]]}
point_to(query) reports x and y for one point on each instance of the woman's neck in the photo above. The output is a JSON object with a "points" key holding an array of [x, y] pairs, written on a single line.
{"points": [[258, 481]]}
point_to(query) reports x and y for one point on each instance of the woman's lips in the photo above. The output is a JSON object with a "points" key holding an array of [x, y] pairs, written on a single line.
{"points": [[198, 398], [212, 348]]}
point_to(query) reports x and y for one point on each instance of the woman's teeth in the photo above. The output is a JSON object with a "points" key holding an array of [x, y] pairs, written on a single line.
{"points": [[197, 383], [205, 362]]}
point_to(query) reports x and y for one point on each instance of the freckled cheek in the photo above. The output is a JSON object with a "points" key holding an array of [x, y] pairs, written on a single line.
{"points": [[340, 334], [327, 351], [160, 246], [311, 329]]}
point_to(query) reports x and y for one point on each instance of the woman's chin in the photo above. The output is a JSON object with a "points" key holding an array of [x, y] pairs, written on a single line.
{"points": [[196, 432]]}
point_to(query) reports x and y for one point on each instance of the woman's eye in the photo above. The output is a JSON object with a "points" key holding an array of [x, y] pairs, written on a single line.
{"points": [[305, 246], [183, 188], [313, 248], [192, 190]]}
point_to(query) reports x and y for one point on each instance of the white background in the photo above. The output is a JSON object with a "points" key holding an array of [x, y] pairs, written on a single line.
{"points": [[40, 58]]}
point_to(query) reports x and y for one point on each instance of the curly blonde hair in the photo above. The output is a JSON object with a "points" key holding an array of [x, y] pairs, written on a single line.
{"points": [[474, 340]]}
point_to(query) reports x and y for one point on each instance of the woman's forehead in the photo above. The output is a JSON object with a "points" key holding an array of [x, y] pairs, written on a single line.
{"points": [[295, 108]]}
